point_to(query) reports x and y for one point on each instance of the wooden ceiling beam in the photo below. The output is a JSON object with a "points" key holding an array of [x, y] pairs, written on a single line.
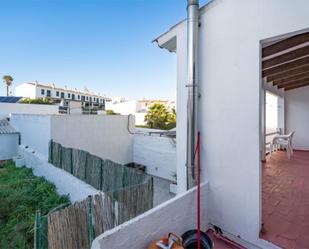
{"points": [[286, 66], [285, 44], [286, 57], [291, 79], [296, 86], [292, 83], [288, 73]]}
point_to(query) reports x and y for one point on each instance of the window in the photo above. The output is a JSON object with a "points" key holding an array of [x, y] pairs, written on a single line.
{"points": [[87, 98], [48, 93], [62, 95], [78, 96], [83, 98], [57, 94], [42, 91], [73, 96], [69, 95]]}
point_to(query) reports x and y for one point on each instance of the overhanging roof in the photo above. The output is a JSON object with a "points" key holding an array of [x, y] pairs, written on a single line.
{"points": [[285, 63], [168, 40]]}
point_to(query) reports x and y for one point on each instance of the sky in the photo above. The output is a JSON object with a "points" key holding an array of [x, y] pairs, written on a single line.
{"points": [[103, 45]]}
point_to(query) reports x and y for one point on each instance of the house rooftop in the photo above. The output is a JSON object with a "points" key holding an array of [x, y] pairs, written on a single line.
{"points": [[6, 128], [75, 90]]}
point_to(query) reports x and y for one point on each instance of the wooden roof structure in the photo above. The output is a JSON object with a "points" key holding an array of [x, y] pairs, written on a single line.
{"points": [[285, 64]]}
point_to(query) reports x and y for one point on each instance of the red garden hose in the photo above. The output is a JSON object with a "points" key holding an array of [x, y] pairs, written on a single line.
{"points": [[198, 149]]}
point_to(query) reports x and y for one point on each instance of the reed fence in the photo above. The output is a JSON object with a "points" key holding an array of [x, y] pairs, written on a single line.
{"points": [[126, 193]]}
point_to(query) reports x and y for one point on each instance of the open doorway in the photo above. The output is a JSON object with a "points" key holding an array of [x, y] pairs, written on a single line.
{"points": [[285, 136]]}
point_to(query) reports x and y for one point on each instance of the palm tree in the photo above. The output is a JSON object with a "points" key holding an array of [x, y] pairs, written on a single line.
{"points": [[8, 79]]}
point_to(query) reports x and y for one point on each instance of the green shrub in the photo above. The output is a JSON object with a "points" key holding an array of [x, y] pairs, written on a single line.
{"points": [[42, 101], [21, 194]]}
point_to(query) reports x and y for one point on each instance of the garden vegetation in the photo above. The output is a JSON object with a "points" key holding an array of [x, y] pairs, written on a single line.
{"points": [[21, 194]]}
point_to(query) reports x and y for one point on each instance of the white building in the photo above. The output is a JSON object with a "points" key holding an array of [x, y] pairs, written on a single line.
{"points": [[35, 90], [138, 108], [245, 49], [9, 139]]}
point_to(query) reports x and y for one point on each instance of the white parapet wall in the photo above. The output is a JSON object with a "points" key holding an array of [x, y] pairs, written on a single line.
{"points": [[157, 153], [7, 108], [66, 184], [176, 215], [106, 136], [34, 131]]}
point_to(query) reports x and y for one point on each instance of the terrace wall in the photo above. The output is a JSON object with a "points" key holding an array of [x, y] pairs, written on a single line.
{"points": [[106, 136], [297, 116], [7, 108], [157, 153], [34, 130], [176, 215]]}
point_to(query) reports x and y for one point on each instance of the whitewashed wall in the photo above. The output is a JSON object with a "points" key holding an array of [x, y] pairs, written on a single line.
{"points": [[106, 136], [176, 215], [229, 106], [297, 116], [35, 131], [7, 108], [8, 146], [124, 108], [157, 153], [26, 90]]}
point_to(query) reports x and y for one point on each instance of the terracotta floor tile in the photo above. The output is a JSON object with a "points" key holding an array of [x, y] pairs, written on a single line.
{"points": [[285, 206]]}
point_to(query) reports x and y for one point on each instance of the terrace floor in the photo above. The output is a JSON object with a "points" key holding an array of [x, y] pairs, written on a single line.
{"points": [[285, 200]]}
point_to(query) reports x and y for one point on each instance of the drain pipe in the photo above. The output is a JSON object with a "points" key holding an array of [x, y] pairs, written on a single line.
{"points": [[192, 44]]}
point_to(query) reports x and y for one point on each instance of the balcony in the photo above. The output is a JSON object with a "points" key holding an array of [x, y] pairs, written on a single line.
{"points": [[286, 200]]}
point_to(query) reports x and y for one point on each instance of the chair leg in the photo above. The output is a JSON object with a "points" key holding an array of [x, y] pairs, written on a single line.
{"points": [[288, 151], [270, 150]]}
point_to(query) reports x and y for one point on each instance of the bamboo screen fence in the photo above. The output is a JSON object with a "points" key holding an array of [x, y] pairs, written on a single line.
{"points": [[126, 194]]}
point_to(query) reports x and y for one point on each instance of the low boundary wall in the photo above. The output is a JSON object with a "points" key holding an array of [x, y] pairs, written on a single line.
{"points": [[176, 215], [157, 153]]}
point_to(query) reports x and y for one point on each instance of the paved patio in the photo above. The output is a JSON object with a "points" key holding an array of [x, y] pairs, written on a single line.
{"points": [[286, 200]]}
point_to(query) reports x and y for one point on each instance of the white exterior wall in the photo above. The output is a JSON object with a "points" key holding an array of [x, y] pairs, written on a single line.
{"points": [[128, 107], [103, 135], [176, 215], [35, 131], [8, 146], [124, 108], [34, 91], [7, 108], [297, 116], [229, 113], [157, 153], [25, 90]]}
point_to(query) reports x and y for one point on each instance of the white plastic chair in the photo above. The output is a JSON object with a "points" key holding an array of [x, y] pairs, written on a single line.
{"points": [[282, 141]]}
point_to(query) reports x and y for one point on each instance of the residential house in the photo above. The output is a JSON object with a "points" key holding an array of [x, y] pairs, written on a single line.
{"points": [[243, 50], [64, 96]]}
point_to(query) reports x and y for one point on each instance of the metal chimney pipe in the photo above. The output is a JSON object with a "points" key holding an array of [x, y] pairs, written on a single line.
{"points": [[192, 43]]}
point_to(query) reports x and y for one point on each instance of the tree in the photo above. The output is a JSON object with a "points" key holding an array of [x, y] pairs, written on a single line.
{"points": [[171, 119], [111, 112], [8, 79], [157, 116]]}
